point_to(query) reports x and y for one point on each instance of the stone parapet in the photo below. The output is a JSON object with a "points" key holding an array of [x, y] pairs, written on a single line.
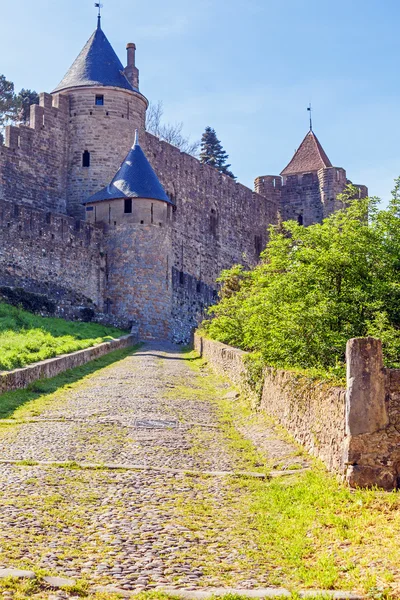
{"points": [[354, 431], [21, 378]]}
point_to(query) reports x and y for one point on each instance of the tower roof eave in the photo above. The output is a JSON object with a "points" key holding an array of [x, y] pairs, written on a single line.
{"points": [[135, 178], [309, 157]]}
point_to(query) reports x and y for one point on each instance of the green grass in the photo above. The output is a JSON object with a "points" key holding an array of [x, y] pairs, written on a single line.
{"points": [[32, 401], [26, 338], [306, 531]]}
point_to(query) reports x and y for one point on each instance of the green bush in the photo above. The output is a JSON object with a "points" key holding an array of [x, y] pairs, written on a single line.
{"points": [[26, 338], [315, 288]]}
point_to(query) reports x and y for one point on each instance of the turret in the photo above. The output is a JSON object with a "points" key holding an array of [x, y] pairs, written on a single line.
{"points": [[105, 109], [134, 195], [136, 214]]}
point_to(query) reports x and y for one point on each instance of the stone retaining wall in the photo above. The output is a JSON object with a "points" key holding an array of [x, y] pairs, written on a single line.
{"points": [[355, 431], [21, 378]]}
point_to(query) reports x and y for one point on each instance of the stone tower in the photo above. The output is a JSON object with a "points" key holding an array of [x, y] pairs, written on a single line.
{"points": [[308, 187], [105, 109], [135, 213]]}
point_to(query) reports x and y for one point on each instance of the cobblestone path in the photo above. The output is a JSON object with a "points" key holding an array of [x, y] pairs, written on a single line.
{"points": [[149, 525]]}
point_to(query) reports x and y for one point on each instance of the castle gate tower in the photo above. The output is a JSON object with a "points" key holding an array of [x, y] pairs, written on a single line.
{"points": [[105, 109]]}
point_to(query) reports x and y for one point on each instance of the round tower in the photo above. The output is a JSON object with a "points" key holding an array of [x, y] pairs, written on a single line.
{"points": [[105, 109], [135, 213]]}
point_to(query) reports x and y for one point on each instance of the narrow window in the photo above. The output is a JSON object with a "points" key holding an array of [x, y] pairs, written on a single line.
{"points": [[86, 159], [99, 100], [128, 206], [300, 219], [258, 245], [152, 213]]}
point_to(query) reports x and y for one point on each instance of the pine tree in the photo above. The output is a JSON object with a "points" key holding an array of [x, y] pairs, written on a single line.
{"points": [[25, 100], [8, 102], [213, 154]]}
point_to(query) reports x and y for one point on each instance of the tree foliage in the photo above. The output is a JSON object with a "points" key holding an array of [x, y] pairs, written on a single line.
{"points": [[8, 102], [25, 100], [316, 287], [14, 107], [169, 132], [213, 154]]}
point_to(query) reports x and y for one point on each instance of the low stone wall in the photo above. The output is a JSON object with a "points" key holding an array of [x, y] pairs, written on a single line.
{"points": [[21, 378], [313, 412], [355, 431]]}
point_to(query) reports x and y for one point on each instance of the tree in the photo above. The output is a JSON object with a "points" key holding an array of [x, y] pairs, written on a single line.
{"points": [[213, 154], [25, 100], [8, 102], [316, 287], [169, 132]]}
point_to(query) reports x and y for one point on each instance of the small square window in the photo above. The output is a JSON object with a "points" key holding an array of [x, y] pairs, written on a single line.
{"points": [[128, 206], [99, 100]]}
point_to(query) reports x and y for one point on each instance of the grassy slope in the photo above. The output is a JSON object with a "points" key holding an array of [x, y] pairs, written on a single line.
{"points": [[26, 338]]}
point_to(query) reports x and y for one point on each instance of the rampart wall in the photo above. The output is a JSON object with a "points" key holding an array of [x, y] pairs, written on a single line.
{"points": [[33, 160], [216, 223], [52, 254]]}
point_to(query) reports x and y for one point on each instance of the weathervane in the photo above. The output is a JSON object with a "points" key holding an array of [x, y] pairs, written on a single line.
{"points": [[310, 111], [99, 6]]}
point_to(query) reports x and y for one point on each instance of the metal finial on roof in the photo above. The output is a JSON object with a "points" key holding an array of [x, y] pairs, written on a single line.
{"points": [[310, 111], [99, 6], [136, 142]]}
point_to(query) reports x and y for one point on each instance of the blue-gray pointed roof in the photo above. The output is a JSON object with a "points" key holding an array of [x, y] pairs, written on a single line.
{"points": [[135, 179], [96, 65]]}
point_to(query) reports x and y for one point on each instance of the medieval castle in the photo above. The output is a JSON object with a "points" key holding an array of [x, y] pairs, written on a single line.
{"points": [[137, 233]]}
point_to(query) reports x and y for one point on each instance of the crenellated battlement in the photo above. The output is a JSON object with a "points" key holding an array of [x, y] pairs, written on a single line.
{"points": [[33, 160]]}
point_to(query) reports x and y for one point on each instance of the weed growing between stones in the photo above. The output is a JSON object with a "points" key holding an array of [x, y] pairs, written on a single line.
{"points": [[302, 531]]}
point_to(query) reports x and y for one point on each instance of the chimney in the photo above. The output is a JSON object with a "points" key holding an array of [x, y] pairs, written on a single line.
{"points": [[131, 72]]}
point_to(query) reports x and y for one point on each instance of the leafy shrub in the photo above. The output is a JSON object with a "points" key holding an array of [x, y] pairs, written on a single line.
{"points": [[315, 288]]}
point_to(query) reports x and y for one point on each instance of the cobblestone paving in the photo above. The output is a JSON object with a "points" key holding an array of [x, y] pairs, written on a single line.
{"points": [[135, 529]]}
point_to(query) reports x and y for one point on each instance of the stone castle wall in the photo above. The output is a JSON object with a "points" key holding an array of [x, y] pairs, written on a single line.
{"points": [[33, 160], [216, 223], [52, 254]]}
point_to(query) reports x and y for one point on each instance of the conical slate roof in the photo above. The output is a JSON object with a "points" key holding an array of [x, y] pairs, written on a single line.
{"points": [[135, 179], [309, 157], [96, 65]]}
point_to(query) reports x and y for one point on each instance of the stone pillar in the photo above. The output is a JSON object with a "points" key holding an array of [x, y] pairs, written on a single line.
{"points": [[365, 461], [366, 410]]}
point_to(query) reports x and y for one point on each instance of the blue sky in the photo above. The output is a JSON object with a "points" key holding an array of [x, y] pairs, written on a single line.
{"points": [[248, 68]]}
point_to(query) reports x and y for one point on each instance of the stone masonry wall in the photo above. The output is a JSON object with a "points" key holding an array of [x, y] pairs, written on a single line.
{"points": [[53, 255], [33, 161], [355, 431], [139, 286], [20, 378], [312, 412], [216, 223]]}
